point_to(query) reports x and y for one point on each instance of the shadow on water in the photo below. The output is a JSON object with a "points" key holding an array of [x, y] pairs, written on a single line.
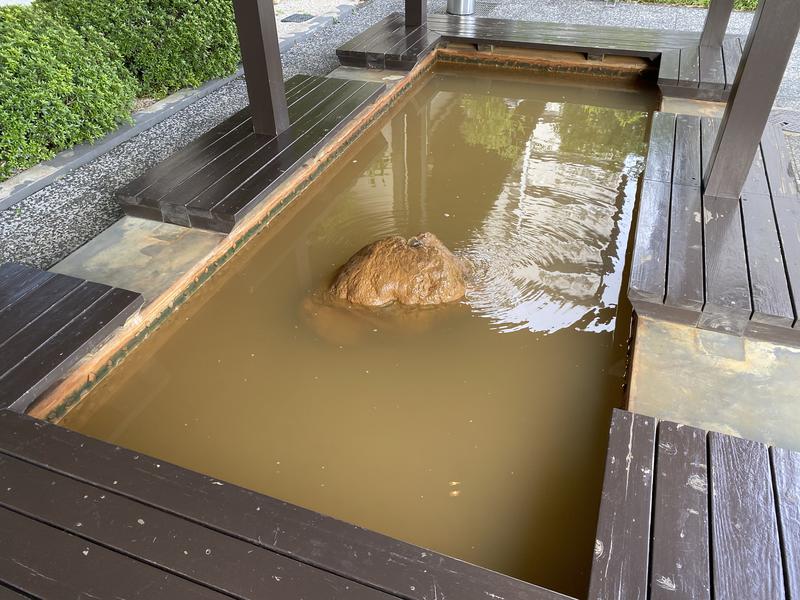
{"points": [[476, 429]]}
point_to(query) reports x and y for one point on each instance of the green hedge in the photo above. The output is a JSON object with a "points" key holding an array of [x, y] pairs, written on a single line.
{"points": [[58, 87], [166, 44], [737, 4]]}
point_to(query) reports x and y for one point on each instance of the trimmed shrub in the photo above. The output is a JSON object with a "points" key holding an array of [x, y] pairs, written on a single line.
{"points": [[166, 44], [58, 87]]}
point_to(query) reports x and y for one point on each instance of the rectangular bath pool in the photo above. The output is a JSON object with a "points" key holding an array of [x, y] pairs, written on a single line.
{"points": [[476, 429]]}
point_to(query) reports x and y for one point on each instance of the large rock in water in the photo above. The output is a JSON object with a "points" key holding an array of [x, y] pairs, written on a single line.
{"points": [[417, 271]]}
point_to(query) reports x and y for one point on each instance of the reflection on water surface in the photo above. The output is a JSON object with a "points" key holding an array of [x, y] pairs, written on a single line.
{"points": [[477, 429]]}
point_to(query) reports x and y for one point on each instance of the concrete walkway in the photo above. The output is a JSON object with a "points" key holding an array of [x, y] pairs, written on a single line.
{"points": [[54, 222]]}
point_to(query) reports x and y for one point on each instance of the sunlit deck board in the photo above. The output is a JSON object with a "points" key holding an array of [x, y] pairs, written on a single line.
{"points": [[730, 266], [48, 322], [685, 69], [713, 531], [222, 175], [212, 534]]}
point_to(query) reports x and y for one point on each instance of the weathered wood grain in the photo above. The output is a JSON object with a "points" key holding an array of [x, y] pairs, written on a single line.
{"points": [[622, 547], [180, 547], [661, 149], [772, 301], [786, 469], [50, 321], [649, 262], [367, 557], [690, 67], [45, 562], [685, 271], [680, 567], [712, 67], [746, 555]]}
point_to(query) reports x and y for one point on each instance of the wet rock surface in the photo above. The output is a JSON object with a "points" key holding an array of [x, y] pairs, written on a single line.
{"points": [[415, 271]]}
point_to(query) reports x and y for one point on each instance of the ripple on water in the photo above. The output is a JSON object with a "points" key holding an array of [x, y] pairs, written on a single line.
{"points": [[549, 250]]}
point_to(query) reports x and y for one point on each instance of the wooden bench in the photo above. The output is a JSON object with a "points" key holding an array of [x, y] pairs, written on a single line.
{"points": [[219, 177], [80, 516], [717, 264], [687, 513], [47, 323], [686, 69]]}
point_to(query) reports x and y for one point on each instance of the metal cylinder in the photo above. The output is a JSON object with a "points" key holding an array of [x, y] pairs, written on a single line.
{"points": [[460, 7]]}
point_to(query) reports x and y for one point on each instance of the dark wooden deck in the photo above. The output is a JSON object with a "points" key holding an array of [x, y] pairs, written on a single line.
{"points": [[47, 323], [714, 263], [79, 516], [685, 68], [687, 513], [219, 177]]}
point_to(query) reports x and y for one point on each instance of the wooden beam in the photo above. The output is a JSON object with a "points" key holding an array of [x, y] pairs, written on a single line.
{"points": [[766, 53], [261, 58], [416, 12], [716, 24]]}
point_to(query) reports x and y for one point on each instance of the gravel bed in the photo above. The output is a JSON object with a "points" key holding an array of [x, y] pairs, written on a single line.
{"points": [[52, 223]]}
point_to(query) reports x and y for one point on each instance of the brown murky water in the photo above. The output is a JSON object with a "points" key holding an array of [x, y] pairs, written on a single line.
{"points": [[478, 429]]}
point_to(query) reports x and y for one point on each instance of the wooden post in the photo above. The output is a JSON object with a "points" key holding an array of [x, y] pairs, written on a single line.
{"points": [[766, 53], [416, 12], [717, 17], [261, 57]]}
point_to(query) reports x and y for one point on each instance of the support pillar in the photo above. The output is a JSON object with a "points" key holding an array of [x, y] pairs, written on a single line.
{"points": [[261, 58], [416, 13], [717, 17], [764, 59]]}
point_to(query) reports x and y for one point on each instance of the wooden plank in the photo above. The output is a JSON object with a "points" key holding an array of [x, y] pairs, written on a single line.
{"points": [[183, 548], [649, 265], [26, 339], [690, 67], [376, 560], [19, 280], [712, 67], [222, 179], [48, 563], [680, 567], [661, 148], [6, 593], [685, 270], [787, 217], [227, 211], [622, 547], [35, 303], [359, 43], [778, 162], [376, 48], [745, 547], [772, 301], [786, 469], [205, 146], [728, 304], [669, 67], [709, 128], [686, 162], [235, 159], [732, 56], [22, 384], [188, 162]]}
